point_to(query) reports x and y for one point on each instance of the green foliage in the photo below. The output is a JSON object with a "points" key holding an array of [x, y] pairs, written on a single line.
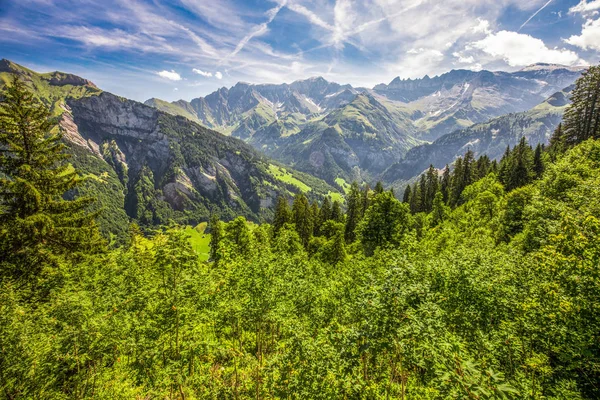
{"points": [[36, 222], [497, 297]]}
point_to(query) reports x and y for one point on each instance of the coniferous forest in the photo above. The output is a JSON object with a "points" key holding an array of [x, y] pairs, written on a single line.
{"points": [[481, 281]]}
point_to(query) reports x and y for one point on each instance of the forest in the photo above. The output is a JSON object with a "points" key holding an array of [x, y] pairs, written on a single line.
{"points": [[479, 282]]}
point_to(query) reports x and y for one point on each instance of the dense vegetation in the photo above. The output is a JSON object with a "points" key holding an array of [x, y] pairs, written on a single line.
{"points": [[488, 289]]}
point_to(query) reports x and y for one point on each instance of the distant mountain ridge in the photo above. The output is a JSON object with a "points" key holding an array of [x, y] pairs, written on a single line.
{"points": [[491, 138], [376, 127]]}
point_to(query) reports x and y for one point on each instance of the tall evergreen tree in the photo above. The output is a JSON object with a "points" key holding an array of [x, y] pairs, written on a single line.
{"points": [[282, 214], [302, 218], [36, 221], [445, 184], [457, 182], [407, 195], [379, 188], [581, 120], [314, 216], [336, 212], [353, 212], [365, 199], [325, 212], [538, 162]]}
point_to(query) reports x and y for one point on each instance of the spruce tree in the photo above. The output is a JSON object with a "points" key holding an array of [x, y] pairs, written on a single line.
{"points": [[302, 218], [282, 214], [314, 216], [336, 212], [445, 184], [353, 212], [325, 212], [36, 221], [457, 182], [407, 195], [365, 199], [378, 188], [538, 162], [581, 120]]}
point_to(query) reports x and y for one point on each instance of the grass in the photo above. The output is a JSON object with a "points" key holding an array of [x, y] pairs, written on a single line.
{"points": [[336, 196], [283, 175], [199, 240], [343, 184]]}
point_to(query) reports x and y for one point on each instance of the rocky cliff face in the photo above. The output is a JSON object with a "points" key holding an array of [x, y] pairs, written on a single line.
{"points": [[169, 166]]}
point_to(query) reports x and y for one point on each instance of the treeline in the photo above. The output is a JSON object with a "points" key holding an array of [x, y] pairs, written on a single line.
{"points": [[492, 295]]}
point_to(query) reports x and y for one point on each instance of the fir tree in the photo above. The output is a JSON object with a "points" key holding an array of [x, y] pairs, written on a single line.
{"points": [[325, 212], [538, 162], [282, 214], [379, 188], [302, 218], [353, 212], [36, 221], [336, 212], [582, 118], [445, 184], [407, 195]]}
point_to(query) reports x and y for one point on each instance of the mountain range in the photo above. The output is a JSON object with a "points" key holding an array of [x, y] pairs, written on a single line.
{"points": [[234, 151], [153, 167], [338, 132]]}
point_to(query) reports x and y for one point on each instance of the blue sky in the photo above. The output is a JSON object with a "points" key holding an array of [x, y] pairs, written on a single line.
{"points": [[188, 48]]}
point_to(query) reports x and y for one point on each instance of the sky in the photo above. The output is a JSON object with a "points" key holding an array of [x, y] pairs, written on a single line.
{"points": [[182, 49]]}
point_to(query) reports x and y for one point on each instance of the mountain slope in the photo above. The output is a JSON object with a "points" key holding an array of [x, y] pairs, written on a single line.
{"points": [[489, 138], [355, 142], [156, 167], [461, 98]]}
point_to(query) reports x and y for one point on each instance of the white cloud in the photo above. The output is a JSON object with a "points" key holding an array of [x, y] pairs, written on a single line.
{"points": [[464, 59], [203, 73], [218, 75], [584, 7], [171, 75], [518, 49], [311, 16], [590, 36], [482, 27], [419, 62], [259, 30]]}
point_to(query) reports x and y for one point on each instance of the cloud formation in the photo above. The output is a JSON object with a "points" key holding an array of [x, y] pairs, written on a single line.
{"points": [[203, 73], [518, 49], [170, 75]]}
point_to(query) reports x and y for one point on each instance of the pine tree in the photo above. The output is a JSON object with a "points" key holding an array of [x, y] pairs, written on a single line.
{"points": [[353, 212], [336, 212], [457, 182], [407, 195], [415, 199], [432, 187], [439, 210], [365, 199], [445, 184], [325, 212], [282, 214], [314, 216], [581, 120], [538, 162], [36, 221], [379, 188], [302, 218]]}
